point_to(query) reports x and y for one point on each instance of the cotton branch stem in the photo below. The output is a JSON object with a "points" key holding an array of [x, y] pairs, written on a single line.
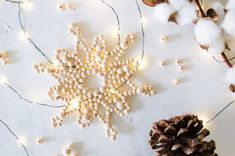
{"points": [[200, 8], [226, 60]]}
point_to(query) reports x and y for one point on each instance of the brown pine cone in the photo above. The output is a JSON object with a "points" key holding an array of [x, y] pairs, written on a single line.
{"points": [[181, 136]]}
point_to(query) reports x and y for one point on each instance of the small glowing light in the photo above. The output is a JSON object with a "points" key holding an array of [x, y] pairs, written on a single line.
{"points": [[143, 20], [22, 140], [28, 5], [56, 62], [74, 103], [142, 64], [24, 35], [112, 90], [114, 32], [204, 117], [3, 79]]}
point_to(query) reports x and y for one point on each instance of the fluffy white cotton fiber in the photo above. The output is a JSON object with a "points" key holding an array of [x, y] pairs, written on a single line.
{"points": [[228, 24], [178, 4], [163, 11], [207, 31], [217, 47], [230, 4], [230, 75], [186, 14]]}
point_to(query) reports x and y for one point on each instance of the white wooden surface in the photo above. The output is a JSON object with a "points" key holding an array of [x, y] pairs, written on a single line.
{"points": [[203, 90]]}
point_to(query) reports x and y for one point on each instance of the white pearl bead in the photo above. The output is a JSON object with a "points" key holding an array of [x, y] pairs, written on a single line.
{"points": [[96, 93], [124, 45], [139, 91], [126, 68], [120, 105], [98, 48], [56, 93], [64, 59], [120, 71], [83, 74]]}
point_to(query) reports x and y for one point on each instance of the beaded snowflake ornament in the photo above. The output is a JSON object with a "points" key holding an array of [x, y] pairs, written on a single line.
{"points": [[72, 70]]}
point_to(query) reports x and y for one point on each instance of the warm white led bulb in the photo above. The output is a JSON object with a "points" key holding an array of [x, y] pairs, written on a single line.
{"points": [[24, 35], [143, 21], [28, 5], [142, 64], [22, 140], [3, 80]]}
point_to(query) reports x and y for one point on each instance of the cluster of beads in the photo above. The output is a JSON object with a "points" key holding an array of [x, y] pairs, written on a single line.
{"points": [[179, 63], [147, 90], [4, 58], [70, 150], [74, 68]]}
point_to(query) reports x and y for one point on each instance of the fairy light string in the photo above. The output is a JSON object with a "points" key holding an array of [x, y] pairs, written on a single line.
{"points": [[226, 61], [24, 31], [29, 38], [21, 97], [118, 34], [143, 40], [220, 112], [142, 29], [118, 20], [12, 1], [15, 136]]}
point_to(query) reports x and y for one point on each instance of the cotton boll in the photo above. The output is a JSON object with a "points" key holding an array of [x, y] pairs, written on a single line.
{"points": [[228, 23], [230, 75], [230, 4], [217, 47], [186, 14], [178, 4], [206, 31], [163, 11], [218, 8]]}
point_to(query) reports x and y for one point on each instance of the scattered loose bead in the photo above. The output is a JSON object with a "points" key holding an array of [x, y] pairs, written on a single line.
{"points": [[4, 58], [69, 150], [164, 39], [178, 62], [71, 72], [176, 81], [40, 140], [181, 68], [162, 63]]}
